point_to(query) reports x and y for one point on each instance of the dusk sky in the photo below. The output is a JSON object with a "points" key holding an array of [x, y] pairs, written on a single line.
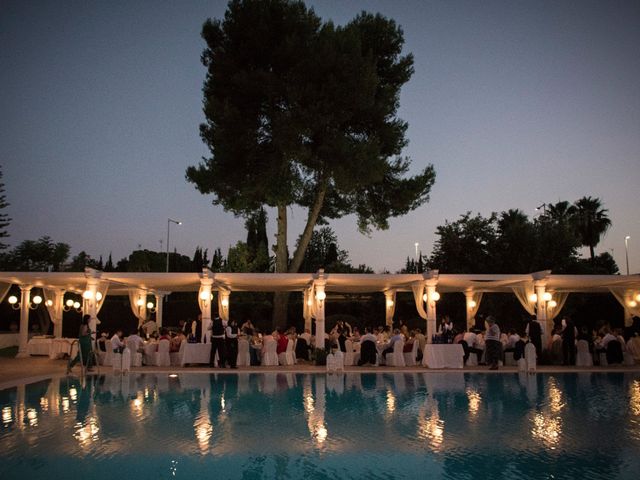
{"points": [[515, 103]]}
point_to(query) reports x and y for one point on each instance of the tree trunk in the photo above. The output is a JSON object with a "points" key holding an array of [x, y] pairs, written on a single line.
{"points": [[592, 252], [281, 299], [312, 219]]}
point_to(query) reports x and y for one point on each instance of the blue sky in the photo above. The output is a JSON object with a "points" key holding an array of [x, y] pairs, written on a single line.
{"points": [[515, 103]]}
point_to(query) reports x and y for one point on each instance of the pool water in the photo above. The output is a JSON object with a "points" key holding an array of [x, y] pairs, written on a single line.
{"points": [[276, 425]]}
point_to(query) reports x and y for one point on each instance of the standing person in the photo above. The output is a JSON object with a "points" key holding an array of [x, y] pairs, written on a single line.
{"points": [[196, 330], [232, 343], [117, 345], [217, 342], [84, 345], [534, 332], [493, 344], [568, 342]]}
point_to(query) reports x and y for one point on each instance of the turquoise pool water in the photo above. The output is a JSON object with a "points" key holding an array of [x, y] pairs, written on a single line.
{"points": [[379, 426]]}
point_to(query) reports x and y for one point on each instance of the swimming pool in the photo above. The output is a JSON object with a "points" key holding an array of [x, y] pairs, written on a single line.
{"points": [[276, 425]]}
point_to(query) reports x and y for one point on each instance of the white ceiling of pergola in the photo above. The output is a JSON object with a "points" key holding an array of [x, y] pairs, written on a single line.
{"points": [[120, 283]]}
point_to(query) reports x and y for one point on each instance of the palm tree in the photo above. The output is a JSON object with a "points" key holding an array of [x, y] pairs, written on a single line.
{"points": [[590, 221], [560, 212]]}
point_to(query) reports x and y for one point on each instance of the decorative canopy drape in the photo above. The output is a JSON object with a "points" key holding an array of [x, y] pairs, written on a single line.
{"points": [[4, 289], [560, 299], [140, 311], [627, 299], [55, 310], [103, 287], [390, 305], [523, 292], [477, 298], [418, 292], [202, 302], [223, 311]]}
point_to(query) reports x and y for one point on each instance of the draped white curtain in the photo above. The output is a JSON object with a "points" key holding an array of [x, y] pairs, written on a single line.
{"points": [[307, 305], [55, 310], [390, 309], [560, 299], [624, 296], [201, 302], [139, 312], [222, 310], [4, 289], [103, 287], [523, 293], [476, 297], [418, 292]]}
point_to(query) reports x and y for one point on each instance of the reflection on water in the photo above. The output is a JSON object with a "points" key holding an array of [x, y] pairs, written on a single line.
{"points": [[271, 425]]}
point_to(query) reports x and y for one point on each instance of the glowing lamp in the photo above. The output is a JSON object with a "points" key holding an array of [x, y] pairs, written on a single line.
{"points": [[472, 304], [49, 303], [13, 299], [98, 296], [552, 304], [69, 303], [76, 305], [321, 296], [150, 305], [140, 302], [632, 303], [224, 302], [309, 302], [424, 297], [546, 296], [37, 300], [638, 297], [533, 298], [204, 295], [389, 303], [87, 295], [435, 296]]}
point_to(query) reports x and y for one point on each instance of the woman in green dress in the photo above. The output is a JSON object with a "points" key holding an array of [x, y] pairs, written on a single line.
{"points": [[84, 339]]}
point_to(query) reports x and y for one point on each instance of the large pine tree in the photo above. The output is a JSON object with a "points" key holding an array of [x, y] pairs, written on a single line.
{"points": [[5, 221]]}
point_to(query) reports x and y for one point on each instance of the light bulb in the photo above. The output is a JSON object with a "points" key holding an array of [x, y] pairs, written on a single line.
{"points": [[321, 295], [533, 298], [37, 299], [435, 296], [98, 296], [204, 295], [424, 297], [472, 303], [150, 305], [76, 305], [49, 303], [69, 303], [13, 299], [140, 302], [552, 304], [389, 303], [224, 302], [546, 296], [87, 295]]}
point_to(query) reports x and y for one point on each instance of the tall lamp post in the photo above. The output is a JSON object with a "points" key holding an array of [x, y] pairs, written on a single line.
{"points": [[169, 222], [626, 251]]}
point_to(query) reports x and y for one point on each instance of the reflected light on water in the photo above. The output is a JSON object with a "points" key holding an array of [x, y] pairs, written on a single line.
{"points": [[137, 405], [222, 403], [32, 416], [87, 433], [65, 404], [320, 432], [309, 403], [73, 393], [204, 430], [555, 397], [431, 428], [634, 397], [546, 429], [44, 404], [7, 416], [391, 402], [474, 402]]}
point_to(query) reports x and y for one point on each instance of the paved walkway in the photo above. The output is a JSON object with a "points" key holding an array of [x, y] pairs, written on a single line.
{"points": [[30, 369]]}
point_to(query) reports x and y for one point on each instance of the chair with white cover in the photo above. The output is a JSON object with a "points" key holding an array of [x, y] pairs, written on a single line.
{"points": [[348, 354], [117, 362], [583, 357], [244, 360], [531, 357], [176, 357], [126, 360], [339, 360], [396, 358], [107, 358], [287, 357], [410, 357], [136, 357], [162, 357], [270, 357], [331, 362]]}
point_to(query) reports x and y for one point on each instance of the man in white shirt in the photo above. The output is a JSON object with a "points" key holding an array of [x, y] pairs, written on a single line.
{"points": [[135, 343], [116, 344]]}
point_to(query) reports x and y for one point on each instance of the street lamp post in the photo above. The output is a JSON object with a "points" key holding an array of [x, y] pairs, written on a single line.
{"points": [[169, 222], [626, 251]]}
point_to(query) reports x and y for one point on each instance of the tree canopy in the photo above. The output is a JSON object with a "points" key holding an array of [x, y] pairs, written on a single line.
{"points": [[303, 112], [5, 221]]}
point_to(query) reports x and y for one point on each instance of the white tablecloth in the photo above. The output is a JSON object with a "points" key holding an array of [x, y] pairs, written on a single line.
{"points": [[60, 347], [443, 356], [196, 353], [39, 346]]}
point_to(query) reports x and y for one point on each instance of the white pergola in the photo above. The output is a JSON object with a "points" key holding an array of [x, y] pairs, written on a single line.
{"points": [[541, 292]]}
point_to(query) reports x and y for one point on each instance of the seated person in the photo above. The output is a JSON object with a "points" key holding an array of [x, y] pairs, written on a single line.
{"points": [[282, 340], [389, 347], [134, 340], [164, 335], [367, 348], [176, 341], [117, 345]]}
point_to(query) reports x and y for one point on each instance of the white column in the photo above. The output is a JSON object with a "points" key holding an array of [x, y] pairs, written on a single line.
{"points": [[431, 310], [89, 304], [541, 312], [390, 308], [306, 308], [25, 299], [320, 301], [159, 299], [205, 305], [468, 295]]}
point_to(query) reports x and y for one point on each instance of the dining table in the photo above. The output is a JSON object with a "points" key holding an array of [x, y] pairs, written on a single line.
{"points": [[443, 355]]}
